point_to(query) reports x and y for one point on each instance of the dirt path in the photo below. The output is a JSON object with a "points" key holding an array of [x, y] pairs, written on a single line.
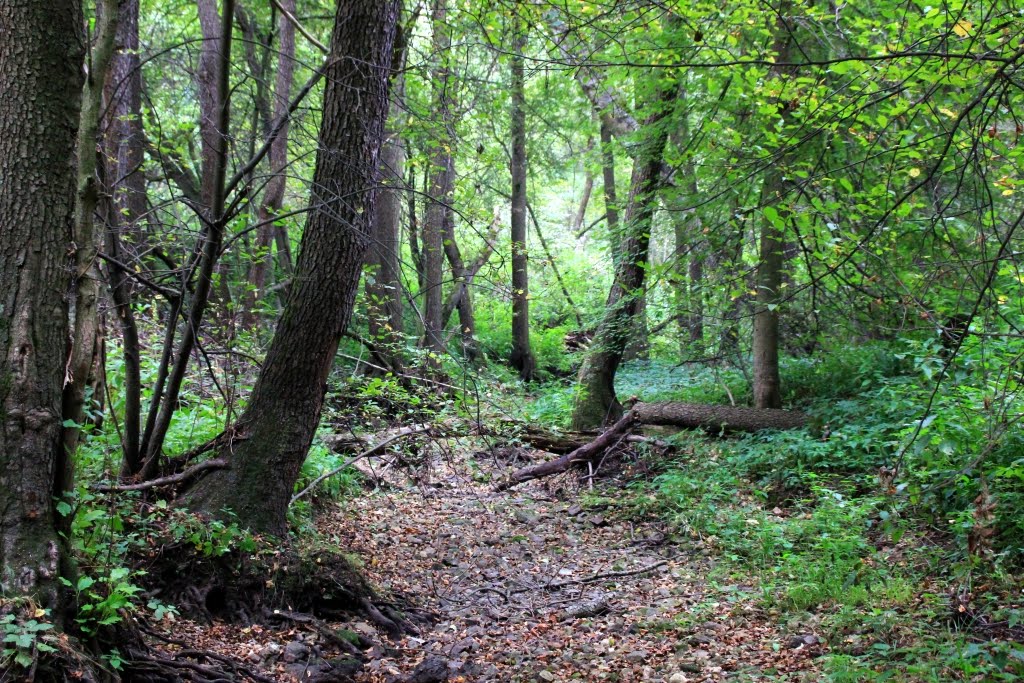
{"points": [[528, 585]]}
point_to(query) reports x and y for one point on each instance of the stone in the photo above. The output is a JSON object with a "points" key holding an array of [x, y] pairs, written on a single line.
{"points": [[296, 651]]}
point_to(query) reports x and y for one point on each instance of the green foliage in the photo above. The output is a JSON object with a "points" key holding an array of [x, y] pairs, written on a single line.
{"points": [[24, 638]]}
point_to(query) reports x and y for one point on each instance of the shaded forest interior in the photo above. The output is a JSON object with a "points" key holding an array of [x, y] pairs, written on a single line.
{"points": [[732, 293]]}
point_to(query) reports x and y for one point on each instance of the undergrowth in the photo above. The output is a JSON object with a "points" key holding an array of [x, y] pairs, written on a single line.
{"points": [[894, 518]]}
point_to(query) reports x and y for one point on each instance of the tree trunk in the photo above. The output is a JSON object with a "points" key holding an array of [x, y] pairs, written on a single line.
{"points": [[717, 418], [383, 258], [767, 384], [461, 296], [522, 358], [442, 181], [595, 401], [125, 209], [273, 195], [168, 386], [41, 52], [271, 439], [463, 283], [85, 321]]}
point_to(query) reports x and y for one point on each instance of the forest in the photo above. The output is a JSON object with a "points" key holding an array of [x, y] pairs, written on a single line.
{"points": [[414, 341]]}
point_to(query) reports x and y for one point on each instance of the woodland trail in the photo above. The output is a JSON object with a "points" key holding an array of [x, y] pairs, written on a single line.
{"points": [[530, 585], [546, 582]]}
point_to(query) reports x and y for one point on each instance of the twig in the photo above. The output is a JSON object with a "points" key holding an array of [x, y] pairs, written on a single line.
{"points": [[593, 578], [298, 25], [215, 464], [407, 431]]}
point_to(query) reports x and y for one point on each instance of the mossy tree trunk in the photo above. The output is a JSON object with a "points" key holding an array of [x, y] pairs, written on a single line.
{"points": [[271, 439], [595, 403], [41, 50]]}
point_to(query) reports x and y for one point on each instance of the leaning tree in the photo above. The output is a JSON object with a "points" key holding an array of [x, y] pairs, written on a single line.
{"points": [[269, 442]]}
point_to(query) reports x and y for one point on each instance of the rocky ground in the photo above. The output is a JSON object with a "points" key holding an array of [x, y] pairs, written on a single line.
{"points": [[534, 584]]}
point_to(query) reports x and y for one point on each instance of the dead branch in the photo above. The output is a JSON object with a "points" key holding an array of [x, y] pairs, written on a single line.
{"points": [[584, 453], [215, 464], [401, 434]]}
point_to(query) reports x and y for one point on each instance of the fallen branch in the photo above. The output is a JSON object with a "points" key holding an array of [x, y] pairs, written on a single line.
{"points": [[584, 453], [402, 433], [591, 579], [215, 464]]}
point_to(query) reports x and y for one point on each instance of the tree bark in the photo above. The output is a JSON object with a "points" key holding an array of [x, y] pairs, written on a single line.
{"points": [[595, 401], [442, 181], [271, 439], [522, 358], [41, 50]]}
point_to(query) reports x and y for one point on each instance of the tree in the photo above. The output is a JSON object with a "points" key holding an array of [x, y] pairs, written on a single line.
{"points": [[442, 181], [595, 402], [41, 52], [522, 356], [269, 442]]}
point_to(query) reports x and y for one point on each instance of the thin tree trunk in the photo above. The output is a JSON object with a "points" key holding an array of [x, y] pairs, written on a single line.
{"points": [[164, 400], [85, 321], [463, 284], [522, 358], [383, 277], [271, 439], [126, 187], [464, 300], [41, 81], [767, 384], [273, 196], [442, 181], [581, 212], [595, 402]]}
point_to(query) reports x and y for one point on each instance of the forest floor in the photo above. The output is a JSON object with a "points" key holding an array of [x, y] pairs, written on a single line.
{"points": [[550, 581]]}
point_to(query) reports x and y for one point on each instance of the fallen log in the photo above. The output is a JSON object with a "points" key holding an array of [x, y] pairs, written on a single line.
{"points": [[717, 418], [712, 418], [584, 453]]}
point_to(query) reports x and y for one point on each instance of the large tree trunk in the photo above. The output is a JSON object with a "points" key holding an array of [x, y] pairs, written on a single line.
{"points": [[442, 183], [522, 358], [273, 195], [126, 188], [271, 439], [595, 401], [41, 50]]}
